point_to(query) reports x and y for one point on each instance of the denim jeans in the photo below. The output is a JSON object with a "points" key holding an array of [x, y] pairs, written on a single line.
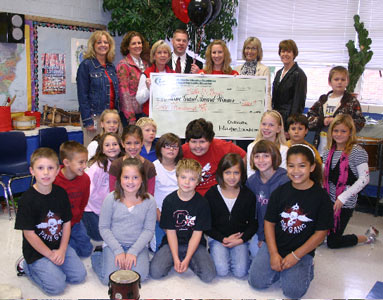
{"points": [[52, 278], [157, 238], [295, 281], [201, 263], [253, 246], [90, 220], [103, 264], [235, 260], [80, 241]]}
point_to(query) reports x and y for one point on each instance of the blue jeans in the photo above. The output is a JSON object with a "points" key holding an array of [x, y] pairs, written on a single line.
{"points": [[253, 246], [103, 264], [80, 241], [201, 263], [234, 259], [52, 278], [295, 281], [90, 220]]}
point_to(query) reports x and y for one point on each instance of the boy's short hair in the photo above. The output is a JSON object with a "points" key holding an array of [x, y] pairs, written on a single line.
{"points": [[199, 128], [288, 45], [69, 149], [264, 146], [297, 118], [144, 121], [338, 69], [44, 152], [169, 139], [189, 164]]}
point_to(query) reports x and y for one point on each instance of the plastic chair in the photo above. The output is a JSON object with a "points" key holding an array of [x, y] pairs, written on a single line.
{"points": [[53, 138], [13, 162]]}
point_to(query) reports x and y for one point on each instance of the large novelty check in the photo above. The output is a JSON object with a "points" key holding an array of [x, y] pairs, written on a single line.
{"points": [[234, 104]]}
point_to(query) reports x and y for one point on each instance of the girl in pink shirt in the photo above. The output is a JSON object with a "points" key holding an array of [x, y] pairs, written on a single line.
{"points": [[108, 150]]}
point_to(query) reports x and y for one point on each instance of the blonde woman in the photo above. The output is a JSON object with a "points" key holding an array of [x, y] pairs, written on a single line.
{"points": [[160, 55], [218, 59], [97, 83]]}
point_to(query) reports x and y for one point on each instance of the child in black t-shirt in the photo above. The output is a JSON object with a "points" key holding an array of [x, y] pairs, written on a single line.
{"points": [[44, 216], [298, 217], [185, 215]]}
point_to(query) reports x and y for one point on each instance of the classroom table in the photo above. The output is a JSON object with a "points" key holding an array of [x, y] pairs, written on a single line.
{"points": [[32, 137]]}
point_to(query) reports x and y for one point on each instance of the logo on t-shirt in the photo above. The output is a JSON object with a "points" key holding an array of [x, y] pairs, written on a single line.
{"points": [[294, 219], [184, 221], [262, 199], [51, 227], [206, 174]]}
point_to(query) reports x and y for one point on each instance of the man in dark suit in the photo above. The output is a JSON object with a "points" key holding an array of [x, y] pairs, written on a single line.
{"points": [[181, 62]]}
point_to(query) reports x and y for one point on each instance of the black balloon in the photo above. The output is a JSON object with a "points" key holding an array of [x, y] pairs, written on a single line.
{"points": [[216, 5], [200, 11]]}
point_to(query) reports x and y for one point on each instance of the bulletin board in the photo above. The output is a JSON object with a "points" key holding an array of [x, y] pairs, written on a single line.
{"points": [[53, 55]]}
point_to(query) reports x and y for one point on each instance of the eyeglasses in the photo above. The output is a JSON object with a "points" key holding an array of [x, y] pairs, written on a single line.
{"points": [[251, 49], [174, 147]]}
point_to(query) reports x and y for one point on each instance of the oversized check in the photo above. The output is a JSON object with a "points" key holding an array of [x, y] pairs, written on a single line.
{"points": [[234, 104]]}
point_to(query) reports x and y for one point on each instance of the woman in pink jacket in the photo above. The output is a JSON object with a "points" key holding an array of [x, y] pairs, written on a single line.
{"points": [[136, 51]]}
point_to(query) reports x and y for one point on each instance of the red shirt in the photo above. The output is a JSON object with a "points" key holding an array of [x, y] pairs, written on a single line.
{"points": [[111, 90], [233, 72], [78, 193], [209, 161]]}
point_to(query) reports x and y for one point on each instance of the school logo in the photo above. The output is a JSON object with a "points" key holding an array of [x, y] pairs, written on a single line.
{"points": [[262, 199], [184, 221], [51, 227], [206, 174], [294, 219]]}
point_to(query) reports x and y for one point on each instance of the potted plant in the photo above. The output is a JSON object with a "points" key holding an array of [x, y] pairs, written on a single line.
{"points": [[358, 59]]}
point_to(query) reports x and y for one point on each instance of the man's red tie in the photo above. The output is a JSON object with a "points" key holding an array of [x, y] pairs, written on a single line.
{"points": [[178, 65]]}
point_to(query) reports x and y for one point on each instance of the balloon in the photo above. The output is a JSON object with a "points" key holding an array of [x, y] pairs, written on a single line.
{"points": [[200, 11], [180, 9], [217, 5]]}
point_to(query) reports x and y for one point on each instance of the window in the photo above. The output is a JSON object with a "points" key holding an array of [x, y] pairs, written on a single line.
{"points": [[321, 29]]}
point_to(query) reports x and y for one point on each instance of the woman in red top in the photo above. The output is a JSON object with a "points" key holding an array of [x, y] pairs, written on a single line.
{"points": [[160, 54], [135, 50], [218, 59]]}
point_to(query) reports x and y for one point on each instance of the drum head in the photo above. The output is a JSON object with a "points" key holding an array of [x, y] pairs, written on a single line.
{"points": [[124, 276]]}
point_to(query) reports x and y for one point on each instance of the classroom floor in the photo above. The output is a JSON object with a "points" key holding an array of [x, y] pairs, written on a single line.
{"points": [[342, 273]]}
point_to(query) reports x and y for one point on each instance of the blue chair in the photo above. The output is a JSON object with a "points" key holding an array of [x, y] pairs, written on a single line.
{"points": [[13, 162], [53, 138]]}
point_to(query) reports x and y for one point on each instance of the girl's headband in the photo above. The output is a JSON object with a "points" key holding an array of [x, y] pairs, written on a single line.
{"points": [[306, 146]]}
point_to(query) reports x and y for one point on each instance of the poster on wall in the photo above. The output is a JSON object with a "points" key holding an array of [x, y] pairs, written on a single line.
{"points": [[78, 49], [53, 74], [13, 75]]}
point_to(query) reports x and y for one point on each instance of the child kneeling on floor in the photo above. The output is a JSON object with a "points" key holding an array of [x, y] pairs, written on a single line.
{"points": [[185, 215], [298, 217], [44, 216]]}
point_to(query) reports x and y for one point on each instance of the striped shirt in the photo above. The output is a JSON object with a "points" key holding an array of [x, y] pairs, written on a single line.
{"points": [[358, 163]]}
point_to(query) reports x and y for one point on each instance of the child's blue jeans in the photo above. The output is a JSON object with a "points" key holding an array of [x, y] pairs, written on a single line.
{"points": [[295, 281], [103, 264], [52, 278], [80, 241], [235, 260], [201, 263]]}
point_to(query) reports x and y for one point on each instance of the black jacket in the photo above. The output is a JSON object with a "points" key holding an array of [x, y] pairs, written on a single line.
{"points": [[189, 61], [289, 94], [241, 219]]}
